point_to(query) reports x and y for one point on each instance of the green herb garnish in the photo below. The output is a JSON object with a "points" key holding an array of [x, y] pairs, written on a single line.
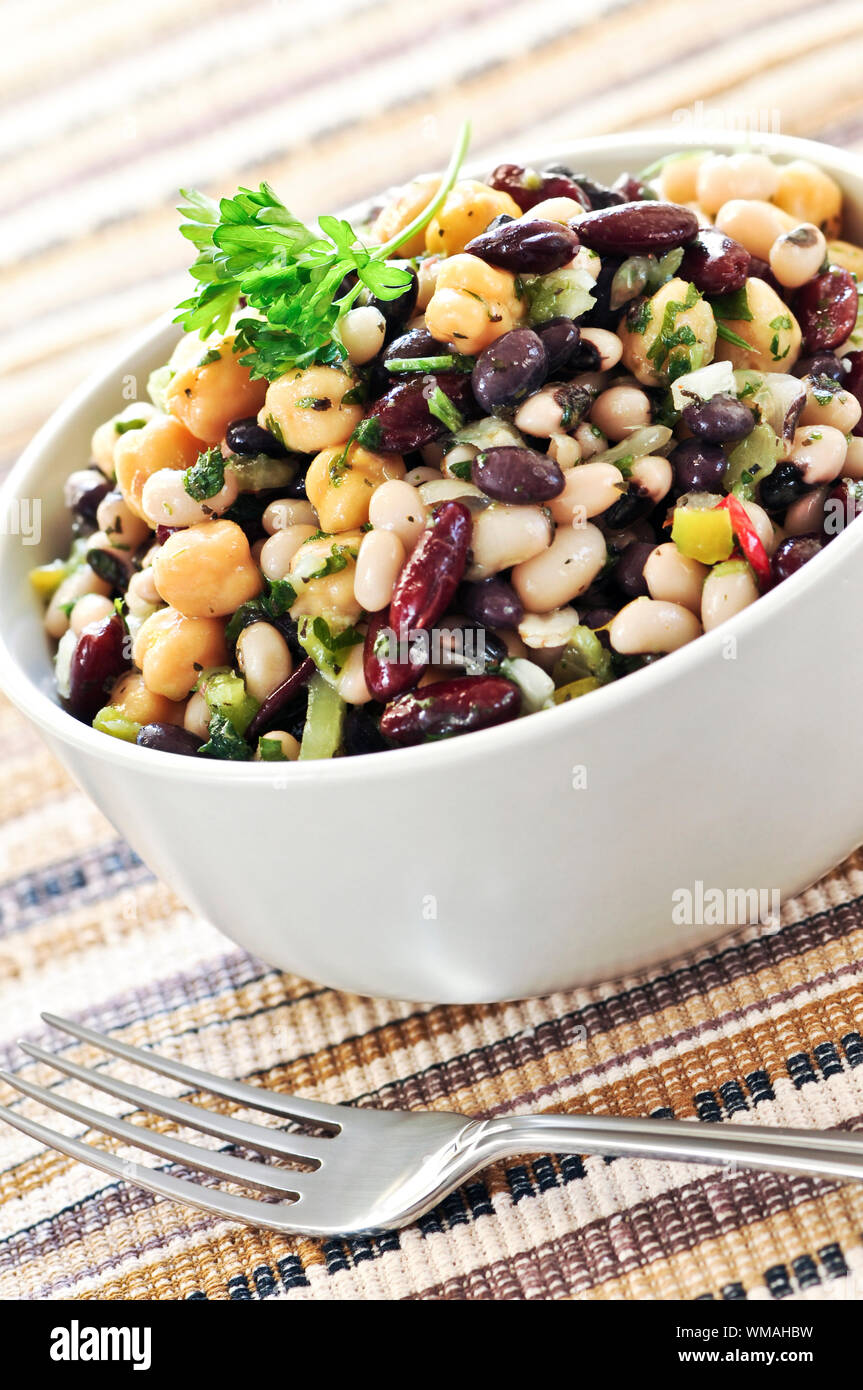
{"points": [[206, 476], [442, 408], [224, 741], [448, 362]]}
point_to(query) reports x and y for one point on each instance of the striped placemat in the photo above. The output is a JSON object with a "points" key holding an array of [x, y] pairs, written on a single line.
{"points": [[106, 109]]}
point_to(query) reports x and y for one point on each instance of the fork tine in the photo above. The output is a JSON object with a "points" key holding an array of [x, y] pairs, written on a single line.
{"points": [[300, 1147], [223, 1165], [292, 1107], [247, 1209]]}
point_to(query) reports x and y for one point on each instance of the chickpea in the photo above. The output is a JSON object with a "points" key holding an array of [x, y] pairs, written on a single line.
{"points": [[396, 506], [162, 443], [307, 408], [277, 552], [143, 706], [505, 535], [678, 182], [590, 489], [819, 452], [467, 211], [827, 403], [264, 659], [379, 565], [362, 332], [773, 333], [797, 255], [408, 203], [720, 178], [727, 590], [330, 593], [207, 571], [620, 410], [90, 608], [809, 194], [289, 745], [165, 501], [848, 256], [123, 529], [652, 625], [675, 577], [82, 581], [755, 224], [106, 436], [340, 484], [285, 512], [563, 571], [213, 391], [171, 650], [473, 304], [676, 306]]}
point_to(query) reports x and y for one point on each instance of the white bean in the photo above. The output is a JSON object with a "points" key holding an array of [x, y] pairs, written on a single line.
{"points": [[196, 716], [288, 511], [264, 658], [561, 572], [674, 577], [589, 489], [819, 452], [396, 506], [547, 631], [652, 625], [351, 680], [506, 535], [379, 564], [725, 594], [92, 608], [362, 332], [82, 581], [165, 501], [123, 529], [723, 177], [763, 526], [142, 596], [590, 440], [620, 410], [289, 745], [279, 549], [541, 414], [755, 224], [853, 465], [565, 450]]}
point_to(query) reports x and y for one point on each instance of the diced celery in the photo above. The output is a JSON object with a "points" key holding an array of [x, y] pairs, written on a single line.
{"points": [[751, 461], [731, 567], [111, 720], [564, 292], [63, 663], [260, 473], [583, 655], [575, 689], [703, 533], [325, 717], [226, 694], [648, 439], [708, 381], [489, 433], [157, 385]]}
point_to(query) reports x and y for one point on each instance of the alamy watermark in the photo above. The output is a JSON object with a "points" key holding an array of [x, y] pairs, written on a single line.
{"points": [[464, 647], [22, 516], [744, 120], [700, 906]]}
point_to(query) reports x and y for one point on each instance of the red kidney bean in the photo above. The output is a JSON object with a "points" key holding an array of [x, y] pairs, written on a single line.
{"points": [[163, 532], [403, 414], [450, 707], [433, 572], [636, 227], [534, 248], [509, 369], [492, 602], [247, 438], [387, 678], [84, 491], [715, 263], [781, 487], [560, 337], [826, 309], [282, 696], [101, 655], [760, 270], [792, 554], [630, 188], [513, 474], [854, 383], [528, 188], [720, 419], [169, 738]]}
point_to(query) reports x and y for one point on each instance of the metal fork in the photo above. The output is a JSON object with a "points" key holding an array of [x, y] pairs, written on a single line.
{"points": [[370, 1170]]}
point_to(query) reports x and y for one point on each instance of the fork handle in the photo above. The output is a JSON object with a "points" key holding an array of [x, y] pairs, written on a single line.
{"points": [[824, 1153]]}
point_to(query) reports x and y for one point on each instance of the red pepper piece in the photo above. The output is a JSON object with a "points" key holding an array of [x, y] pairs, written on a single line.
{"points": [[750, 541]]}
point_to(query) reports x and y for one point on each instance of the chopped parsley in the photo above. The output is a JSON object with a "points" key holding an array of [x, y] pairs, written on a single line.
{"points": [[224, 741], [734, 305], [206, 476], [122, 426], [443, 409]]}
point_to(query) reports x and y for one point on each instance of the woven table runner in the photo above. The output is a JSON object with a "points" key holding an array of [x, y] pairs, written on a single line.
{"points": [[106, 109]]}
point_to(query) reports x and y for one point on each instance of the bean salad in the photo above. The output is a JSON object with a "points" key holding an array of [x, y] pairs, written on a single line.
{"points": [[506, 442]]}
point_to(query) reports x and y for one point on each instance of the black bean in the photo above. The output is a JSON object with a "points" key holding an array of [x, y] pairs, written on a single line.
{"points": [[418, 343], [84, 490], [169, 738], [599, 195], [530, 248], [560, 338], [715, 263], [698, 466], [513, 474], [492, 602], [628, 573], [512, 367], [247, 438], [781, 487], [602, 315], [114, 570], [362, 732], [633, 505], [598, 617], [820, 364], [720, 419], [101, 655], [792, 554]]}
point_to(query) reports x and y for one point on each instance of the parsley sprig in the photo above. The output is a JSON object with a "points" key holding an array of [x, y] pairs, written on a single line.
{"points": [[252, 246]]}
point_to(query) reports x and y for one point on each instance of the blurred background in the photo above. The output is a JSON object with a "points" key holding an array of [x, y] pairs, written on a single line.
{"points": [[108, 108]]}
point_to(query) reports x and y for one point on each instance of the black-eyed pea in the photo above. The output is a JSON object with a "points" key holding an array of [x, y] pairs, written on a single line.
{"points": [[396, 506], [590, 440], [653, 474], [827, 403], [808, 194], [728, 589], [754, 223], [719, 178], [162, 443], [289, 746], [288, 511], [468, 209], [81, 581], [806, 514], [212, 390], [620, 410], [91, 608], [142, 596], [548, 631], [196, 716], [278, 550], [565, 450], [362, 331], [207, 571], [308, 409], [140, 705], [563, 571], [473, 304], [649, 625], [589, 490], [264, 659], [171, 649], [340, 484], [819, 451], [674, 577], [351, 680], [505, 535], [165, 501], [379, 565], [798, 255], [608, 346]]}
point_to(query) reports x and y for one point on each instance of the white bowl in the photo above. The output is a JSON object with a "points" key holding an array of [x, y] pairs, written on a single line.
{"points": [[484, 868]]}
